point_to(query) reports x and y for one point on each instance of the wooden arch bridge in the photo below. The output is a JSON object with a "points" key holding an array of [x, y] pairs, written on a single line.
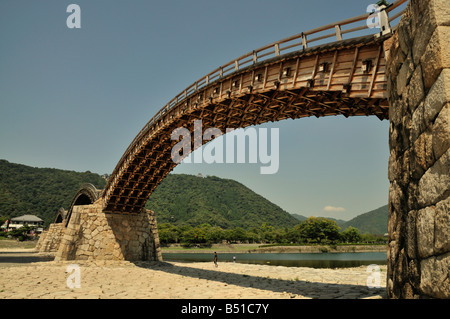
{"points": [[285, 79]]}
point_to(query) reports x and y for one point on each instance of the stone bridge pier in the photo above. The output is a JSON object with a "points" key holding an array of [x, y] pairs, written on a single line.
{"points": [[418, 68], [92, 234]]}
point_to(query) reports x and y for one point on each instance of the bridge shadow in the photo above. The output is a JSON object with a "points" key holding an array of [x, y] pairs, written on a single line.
{"points": [[18, 257], [309, 289]]}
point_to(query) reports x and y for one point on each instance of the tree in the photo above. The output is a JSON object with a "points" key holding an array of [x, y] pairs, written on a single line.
{"points": [[351, 235], [21, 233], [168, 233], [267, 233], [216, 234], [319, 229], [239, 234]]}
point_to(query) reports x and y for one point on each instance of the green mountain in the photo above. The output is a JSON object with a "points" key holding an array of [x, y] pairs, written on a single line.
{"points": [[39, 191], [179, 199], [373, 222], [187, 199]]}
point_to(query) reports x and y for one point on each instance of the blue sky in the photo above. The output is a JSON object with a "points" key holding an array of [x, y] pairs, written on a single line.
{"points": [[75, 98]]}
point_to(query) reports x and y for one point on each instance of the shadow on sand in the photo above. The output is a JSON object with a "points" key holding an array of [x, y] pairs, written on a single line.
{"points": [[293, 287], [21, 257]]}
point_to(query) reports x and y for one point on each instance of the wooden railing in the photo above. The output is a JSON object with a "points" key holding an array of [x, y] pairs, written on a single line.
{"points": [[296, 42]]}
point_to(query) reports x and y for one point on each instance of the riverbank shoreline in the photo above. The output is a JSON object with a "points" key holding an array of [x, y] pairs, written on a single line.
{"points": [[257, 248]]}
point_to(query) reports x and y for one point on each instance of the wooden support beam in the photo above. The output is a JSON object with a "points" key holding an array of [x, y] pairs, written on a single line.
{"points": [[332, 69], [374, 71]]}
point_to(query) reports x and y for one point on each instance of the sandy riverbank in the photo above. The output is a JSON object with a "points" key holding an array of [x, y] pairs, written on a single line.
{"points": [[174, 280]]}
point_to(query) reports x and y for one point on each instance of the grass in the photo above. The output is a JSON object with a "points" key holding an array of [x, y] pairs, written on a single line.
{"points": [[11, 243]]}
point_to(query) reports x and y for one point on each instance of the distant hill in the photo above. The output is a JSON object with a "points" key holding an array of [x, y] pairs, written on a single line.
{"points": [[187, 199], [299, 217], [373, 222], [39, 191]]}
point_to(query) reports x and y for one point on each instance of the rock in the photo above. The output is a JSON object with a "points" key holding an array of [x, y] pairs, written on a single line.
{"points": [[404, 75], [435, 183], [435, 276], [415, 89], [442, 227], [425, 232], [423, 150], [437, 97], [411, 236], [436, 56], [418, 125], [441, 132]]}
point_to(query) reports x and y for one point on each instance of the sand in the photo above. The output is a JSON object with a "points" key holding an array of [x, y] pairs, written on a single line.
{"points": [[177, 280]]}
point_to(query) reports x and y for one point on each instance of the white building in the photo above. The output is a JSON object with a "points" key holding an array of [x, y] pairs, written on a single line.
{"points": [[30, 220]]}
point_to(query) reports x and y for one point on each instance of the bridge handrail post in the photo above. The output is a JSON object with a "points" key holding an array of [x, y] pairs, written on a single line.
{"points": [[337, 28], [304, 41]]}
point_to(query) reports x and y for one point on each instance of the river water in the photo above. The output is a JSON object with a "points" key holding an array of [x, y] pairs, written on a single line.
{"points": [[313, 260]]}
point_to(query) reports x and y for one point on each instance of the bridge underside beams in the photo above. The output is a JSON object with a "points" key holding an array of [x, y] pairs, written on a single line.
{"points": [[348, 81]]}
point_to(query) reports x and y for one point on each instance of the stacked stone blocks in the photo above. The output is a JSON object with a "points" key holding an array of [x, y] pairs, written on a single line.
{"points": [[94, 235], [419, 165], [50, 240]]}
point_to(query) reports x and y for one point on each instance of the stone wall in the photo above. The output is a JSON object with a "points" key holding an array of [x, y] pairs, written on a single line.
{"points": [[418, 68], [50, 240], [94, 235], [41, 240]]}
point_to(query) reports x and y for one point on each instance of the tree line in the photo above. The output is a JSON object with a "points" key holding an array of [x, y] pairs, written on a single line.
{"points": [[314, 230]]}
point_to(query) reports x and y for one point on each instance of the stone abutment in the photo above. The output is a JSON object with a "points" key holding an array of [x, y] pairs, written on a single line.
{"points": [[418, 68], [91, 234]]}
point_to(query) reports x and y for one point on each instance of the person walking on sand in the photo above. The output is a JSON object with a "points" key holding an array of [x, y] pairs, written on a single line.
{"points": [[215, 259]]}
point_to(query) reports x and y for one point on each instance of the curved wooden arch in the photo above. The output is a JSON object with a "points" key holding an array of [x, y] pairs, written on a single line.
{"points": [[329, 81], [60, 216], [86, 195], [345, 77]]}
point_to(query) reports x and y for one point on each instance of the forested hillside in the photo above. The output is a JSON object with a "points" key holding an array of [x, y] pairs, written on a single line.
{"points": [[39, 191], [187, 199], [373, 222]]}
